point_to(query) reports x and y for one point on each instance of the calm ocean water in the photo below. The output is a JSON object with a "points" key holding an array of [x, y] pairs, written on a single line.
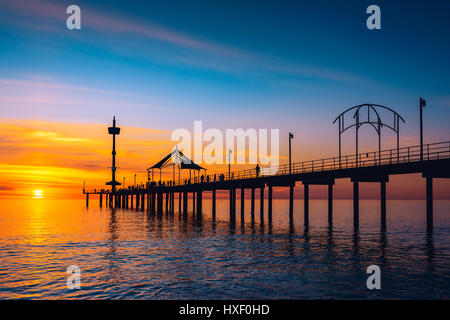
{"points": [[128, 254]]}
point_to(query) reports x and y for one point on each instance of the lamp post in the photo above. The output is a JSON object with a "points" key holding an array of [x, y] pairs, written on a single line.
{"points": [[291, 136], [229, 163], [135, 179], [423, 104], [123, 183]]}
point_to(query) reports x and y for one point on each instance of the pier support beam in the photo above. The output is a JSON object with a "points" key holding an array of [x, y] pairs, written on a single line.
{"points": [[242, 204], [356, 204], [252, 209], [179, 203], [185, 204], [232, 205], [199, 204], [383, 203], [429, 191], [330, 204], [167, 202], [306, 203], [154, 202], [160, 203], [214, 203], [101, 200], [138, 201], [382, 179], [261, 204], [169, 195], [87, 200], [142, 200], [193, 203], [291, 203], [173, 202], [269, 206]]}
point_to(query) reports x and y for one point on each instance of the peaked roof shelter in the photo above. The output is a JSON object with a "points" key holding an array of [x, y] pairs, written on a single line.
{"points": [[176, 157]]}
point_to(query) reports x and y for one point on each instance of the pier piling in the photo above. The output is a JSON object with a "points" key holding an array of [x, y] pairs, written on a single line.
{"points": [[356, 204], [383, 203], [199, 204], [306, 204], [242, 203], [330, 204], [214, 203], [291, 203], [269, 206], [429, 192], [252, 206], [261, 204], [185, 204]]}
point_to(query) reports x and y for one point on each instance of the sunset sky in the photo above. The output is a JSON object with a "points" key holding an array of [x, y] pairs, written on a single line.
{"points": [[161, 65]]}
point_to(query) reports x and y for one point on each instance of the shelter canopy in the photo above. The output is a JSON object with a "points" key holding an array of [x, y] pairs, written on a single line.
{"points": [[178, 158]]}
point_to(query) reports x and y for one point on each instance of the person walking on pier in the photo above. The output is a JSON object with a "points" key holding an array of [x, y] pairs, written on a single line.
{"points": [[257, 169]]}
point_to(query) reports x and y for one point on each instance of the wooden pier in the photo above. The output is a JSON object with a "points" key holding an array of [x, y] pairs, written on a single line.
{"points": [[431, 160]]}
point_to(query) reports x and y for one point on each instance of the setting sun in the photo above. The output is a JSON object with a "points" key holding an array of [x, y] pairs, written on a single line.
{"points": [[37, 194]]}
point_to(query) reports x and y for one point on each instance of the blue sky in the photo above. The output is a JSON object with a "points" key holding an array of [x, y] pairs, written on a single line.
{"points": [[292, 65]]}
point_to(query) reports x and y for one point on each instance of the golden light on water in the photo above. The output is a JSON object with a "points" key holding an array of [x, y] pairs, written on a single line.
{"points": [[38, 194]]}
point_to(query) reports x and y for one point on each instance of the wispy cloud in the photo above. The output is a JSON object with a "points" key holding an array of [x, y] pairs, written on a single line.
{"points": [[46, 84], [49, 11], [210, 55]]}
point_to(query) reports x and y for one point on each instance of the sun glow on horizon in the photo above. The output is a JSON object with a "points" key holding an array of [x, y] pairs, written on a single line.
{"points": [[38, 194]]}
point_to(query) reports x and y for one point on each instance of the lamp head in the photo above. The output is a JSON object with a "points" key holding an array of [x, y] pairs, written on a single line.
{"points": [[423, 103]]}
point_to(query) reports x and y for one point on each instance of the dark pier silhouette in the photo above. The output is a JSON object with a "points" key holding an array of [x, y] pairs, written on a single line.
{"points": [[431, 160]]}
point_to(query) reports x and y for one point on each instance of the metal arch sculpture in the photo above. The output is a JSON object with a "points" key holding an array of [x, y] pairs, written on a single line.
{"points": [[376, 123]]}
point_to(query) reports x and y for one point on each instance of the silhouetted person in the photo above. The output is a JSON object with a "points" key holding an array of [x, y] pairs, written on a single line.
{"points": [[202, 178], [257, 170]]}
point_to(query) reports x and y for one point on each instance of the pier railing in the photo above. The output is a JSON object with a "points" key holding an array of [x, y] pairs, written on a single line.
{"points": [[432, 151]]}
